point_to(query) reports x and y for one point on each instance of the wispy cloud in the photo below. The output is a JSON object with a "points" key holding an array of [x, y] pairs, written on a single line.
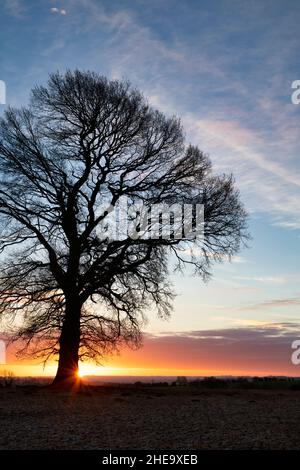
{"points": [[235, 147], [242, 117], [14, 8], [238, 322], [255, 140], [273, 303], [264, 279]]}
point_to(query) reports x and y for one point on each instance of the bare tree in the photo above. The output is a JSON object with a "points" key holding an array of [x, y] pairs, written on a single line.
{"points": [[83, 142]]}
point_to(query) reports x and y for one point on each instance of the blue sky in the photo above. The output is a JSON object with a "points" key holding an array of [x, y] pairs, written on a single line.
{"points": [[226, 68]]}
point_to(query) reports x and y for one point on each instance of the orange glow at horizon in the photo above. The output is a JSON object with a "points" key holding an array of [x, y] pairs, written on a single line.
{"points": [[241, 352], [89, 369]]}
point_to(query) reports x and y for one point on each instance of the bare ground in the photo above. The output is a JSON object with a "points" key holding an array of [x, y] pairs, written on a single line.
{"points": [[132, 418]]}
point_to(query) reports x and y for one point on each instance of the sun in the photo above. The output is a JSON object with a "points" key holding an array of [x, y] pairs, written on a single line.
{"points": [[86, 369]]}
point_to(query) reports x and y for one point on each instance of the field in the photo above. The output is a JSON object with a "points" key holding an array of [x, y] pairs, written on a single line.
{"points": [[132, 417]]}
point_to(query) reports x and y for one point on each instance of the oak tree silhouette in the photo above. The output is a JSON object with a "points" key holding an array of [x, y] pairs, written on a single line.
{"points": [[84, 141]]}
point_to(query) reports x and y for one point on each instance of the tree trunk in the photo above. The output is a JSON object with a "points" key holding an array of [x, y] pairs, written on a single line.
{"points": [[67, 371]]}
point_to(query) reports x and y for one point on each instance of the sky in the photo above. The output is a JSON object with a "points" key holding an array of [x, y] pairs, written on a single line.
{"points": [[226, 68]]}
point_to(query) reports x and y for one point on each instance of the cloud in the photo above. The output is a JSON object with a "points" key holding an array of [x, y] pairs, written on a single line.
{"points": [[239, 322], [198, 252], [131, 47], [293, 225], [243, 140], [234, 147], [238, 112], [255, 141], [14, 8], [273, 303], [259, 349], [264, 279], [254, 349], [60, 11]]}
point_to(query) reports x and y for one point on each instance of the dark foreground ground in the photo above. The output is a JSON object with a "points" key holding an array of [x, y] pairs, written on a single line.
{"points": [[148, 418]]}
